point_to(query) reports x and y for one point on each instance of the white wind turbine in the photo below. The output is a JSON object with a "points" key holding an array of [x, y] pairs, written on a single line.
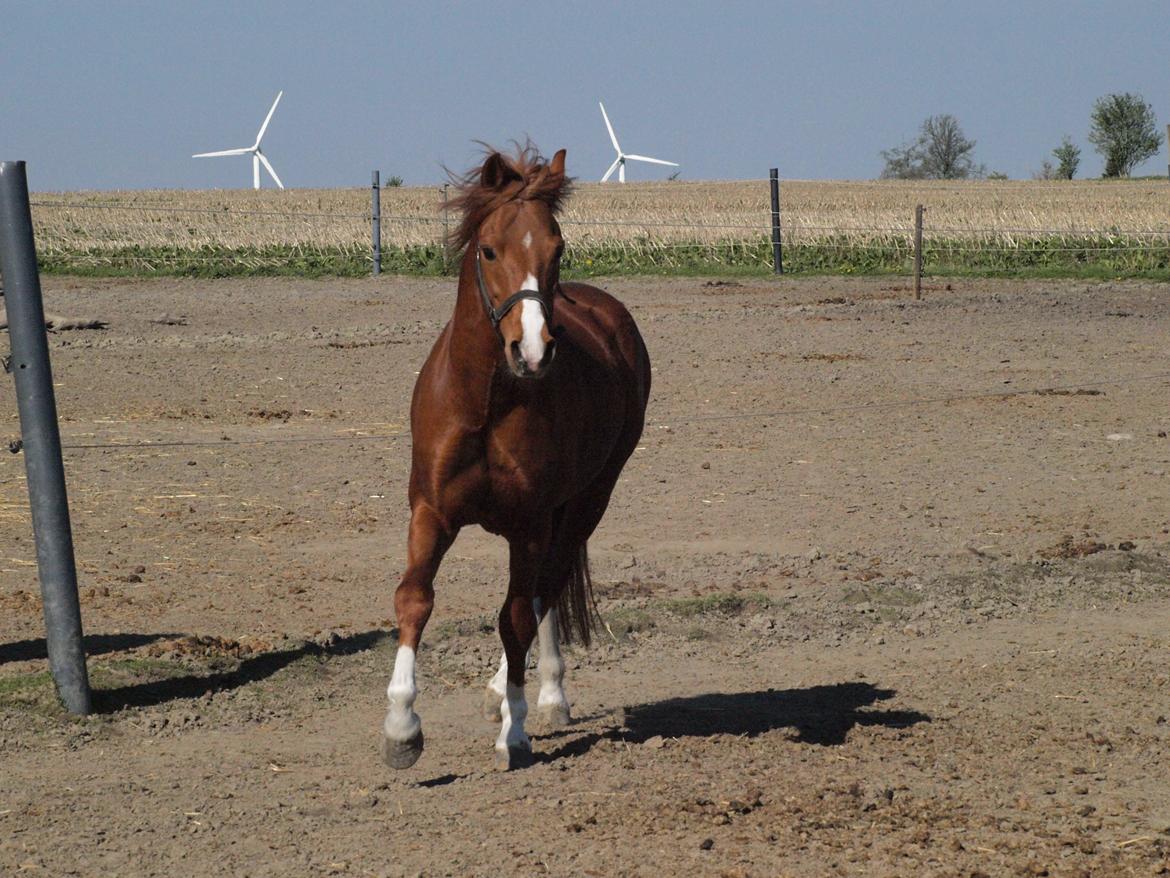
{"points": [[619, 164], [258, 158]]}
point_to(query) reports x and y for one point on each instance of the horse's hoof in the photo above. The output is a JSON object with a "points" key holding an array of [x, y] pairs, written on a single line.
{"points": [[514, 758], [402, 754], [553, 716], [491, 705]]}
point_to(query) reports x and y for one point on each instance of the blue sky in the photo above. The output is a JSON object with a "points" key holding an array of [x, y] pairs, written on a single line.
{"points": [[119, 95]]}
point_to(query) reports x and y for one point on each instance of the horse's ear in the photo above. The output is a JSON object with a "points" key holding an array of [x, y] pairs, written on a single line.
{"points": [[557, 166], [495, 172]]}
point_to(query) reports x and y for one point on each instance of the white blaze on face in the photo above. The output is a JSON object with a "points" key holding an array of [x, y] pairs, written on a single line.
{"points": [[532, 322]]}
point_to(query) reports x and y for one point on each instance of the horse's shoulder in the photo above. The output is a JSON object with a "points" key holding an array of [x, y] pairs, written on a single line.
{"points": [[590, 308], [601, 323]]}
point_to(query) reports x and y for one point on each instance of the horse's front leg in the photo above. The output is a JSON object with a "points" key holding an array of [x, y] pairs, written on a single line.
{"points": [[428, 541], [517, 630]]}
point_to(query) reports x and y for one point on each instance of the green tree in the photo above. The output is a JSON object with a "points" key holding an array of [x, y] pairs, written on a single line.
{"points": [[941, 152], [1123, 129], [1068, 157]]}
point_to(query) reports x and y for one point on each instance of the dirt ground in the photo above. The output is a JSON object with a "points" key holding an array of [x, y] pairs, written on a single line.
{"points": [[887, 591]]}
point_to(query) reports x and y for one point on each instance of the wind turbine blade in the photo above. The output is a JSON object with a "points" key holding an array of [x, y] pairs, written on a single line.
{"points": [[255, 170], [645, 158], [612, 136], [612, 168], [267, 119], [268, 167], [208, 155], [622, 172]]}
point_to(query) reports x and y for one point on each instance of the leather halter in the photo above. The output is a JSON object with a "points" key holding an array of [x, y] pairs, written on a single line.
{"points": [[495, 315]]}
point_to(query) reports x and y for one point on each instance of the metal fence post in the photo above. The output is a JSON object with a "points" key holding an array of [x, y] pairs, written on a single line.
{"points": [[376, 214], [918, 252], [42, 441], [777, 253]]}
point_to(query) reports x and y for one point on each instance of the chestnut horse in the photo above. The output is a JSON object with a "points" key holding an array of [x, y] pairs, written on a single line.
{"points": [[529, 404]]}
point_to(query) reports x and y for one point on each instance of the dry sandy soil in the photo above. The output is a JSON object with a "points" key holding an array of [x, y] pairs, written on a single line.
{"points": [[886, 587]]}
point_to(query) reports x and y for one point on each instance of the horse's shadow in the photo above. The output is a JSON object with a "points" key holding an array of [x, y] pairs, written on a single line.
{"points": [[821, 715], [195, 684], [250, 670], [36, 649]]}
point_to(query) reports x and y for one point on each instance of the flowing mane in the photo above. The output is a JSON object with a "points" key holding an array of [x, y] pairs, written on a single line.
{"points": [[526, 176]]}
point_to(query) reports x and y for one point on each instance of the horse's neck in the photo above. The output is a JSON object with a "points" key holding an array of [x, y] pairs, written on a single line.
{"points": [[474, 348]]}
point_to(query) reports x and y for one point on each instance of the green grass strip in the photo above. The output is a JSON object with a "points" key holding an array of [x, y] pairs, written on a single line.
{"points": [[1099, 256]]}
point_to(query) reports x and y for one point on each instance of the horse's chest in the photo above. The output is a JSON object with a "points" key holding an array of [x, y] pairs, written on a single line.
{"points": [[524, 470]]}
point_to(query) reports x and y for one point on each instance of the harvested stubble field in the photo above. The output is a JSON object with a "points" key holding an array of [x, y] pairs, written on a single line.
{"points": [[837, 226], [886, 590]]}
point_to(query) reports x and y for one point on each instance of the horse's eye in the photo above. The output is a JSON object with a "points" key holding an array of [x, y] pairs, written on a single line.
{"points": [[489, 253]]}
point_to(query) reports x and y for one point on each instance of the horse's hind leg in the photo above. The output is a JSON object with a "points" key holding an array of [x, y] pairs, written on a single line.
{"points": [[572, 526], [552, 707], [402, 740], [566, 568]]}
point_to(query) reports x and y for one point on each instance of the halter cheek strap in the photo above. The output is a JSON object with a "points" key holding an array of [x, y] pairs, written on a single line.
{"points": [[495, 315]]}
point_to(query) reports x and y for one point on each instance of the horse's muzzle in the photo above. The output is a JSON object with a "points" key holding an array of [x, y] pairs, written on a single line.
{"points": [[521, 368]]}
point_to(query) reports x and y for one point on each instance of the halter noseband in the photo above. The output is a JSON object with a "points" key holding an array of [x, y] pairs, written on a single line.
{"points": [[495, 315]]}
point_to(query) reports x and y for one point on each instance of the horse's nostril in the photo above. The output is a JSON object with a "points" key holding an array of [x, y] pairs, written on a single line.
{"points": [[517, 357]]}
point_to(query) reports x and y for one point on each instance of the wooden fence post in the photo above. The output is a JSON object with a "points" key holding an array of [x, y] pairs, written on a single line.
{"points": [[918, 252], [446, 230]]}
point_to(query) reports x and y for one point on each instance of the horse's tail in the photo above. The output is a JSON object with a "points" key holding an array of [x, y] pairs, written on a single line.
{"points": [[576, 608]]}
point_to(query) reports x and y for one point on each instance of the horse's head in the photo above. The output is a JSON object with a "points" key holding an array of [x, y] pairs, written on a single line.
{"points": [[516, 246]]}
